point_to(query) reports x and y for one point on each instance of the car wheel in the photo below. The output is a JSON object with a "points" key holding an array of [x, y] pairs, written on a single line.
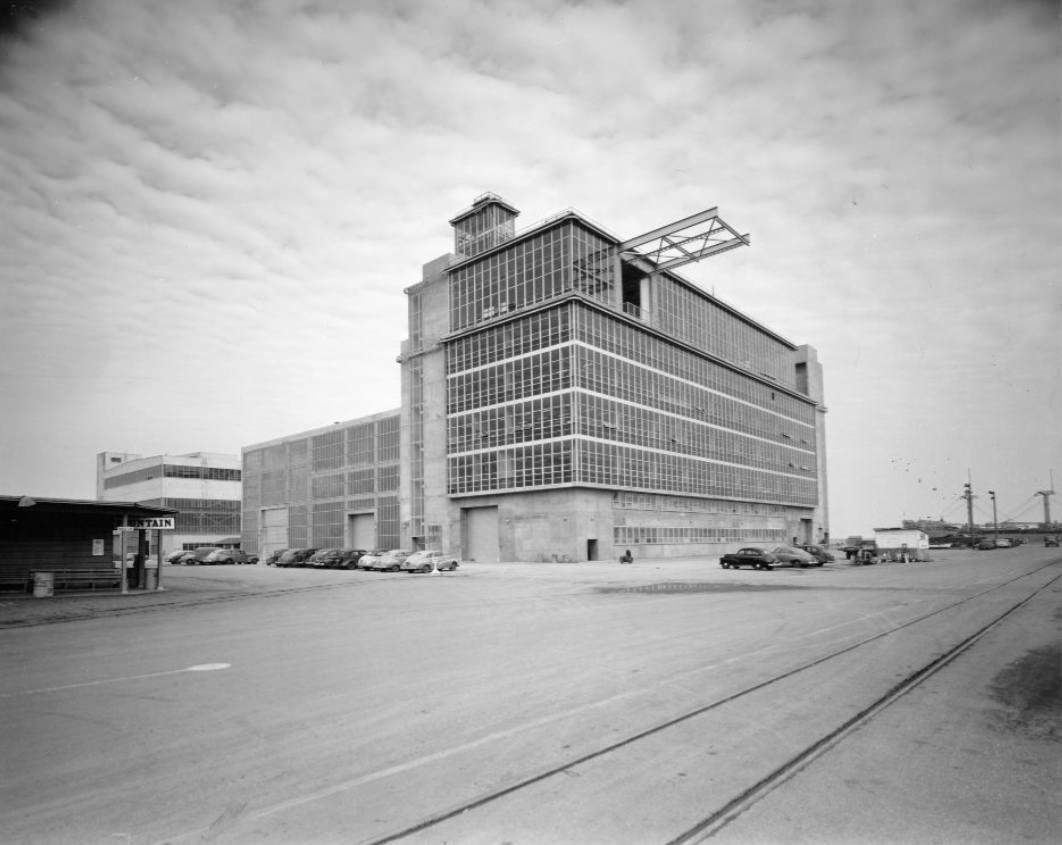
{"points": [[392, 569], [425, 568]]}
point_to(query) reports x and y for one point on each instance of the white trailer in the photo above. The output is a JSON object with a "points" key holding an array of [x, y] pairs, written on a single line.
{"points": [[902, 544]]}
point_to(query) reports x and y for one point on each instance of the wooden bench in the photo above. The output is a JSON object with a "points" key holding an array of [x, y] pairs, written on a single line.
{"points": [[15, 580], [87, 579]]}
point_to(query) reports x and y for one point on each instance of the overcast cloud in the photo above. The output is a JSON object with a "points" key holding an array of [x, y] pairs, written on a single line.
{"points": [[210, 210]]}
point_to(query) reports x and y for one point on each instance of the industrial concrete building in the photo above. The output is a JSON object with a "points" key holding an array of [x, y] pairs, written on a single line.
{"points": [[332, 487], [566, 395], [203, 488]]}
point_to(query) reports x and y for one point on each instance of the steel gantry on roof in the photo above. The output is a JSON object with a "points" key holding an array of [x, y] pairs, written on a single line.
{"points": [[685, 241]]}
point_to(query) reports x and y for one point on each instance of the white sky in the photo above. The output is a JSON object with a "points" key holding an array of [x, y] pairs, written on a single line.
{"points": [[209, 212]]}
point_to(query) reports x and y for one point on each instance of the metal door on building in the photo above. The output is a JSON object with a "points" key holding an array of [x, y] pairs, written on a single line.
{"points": [[361, 529], [481, 534], [272, 531]]}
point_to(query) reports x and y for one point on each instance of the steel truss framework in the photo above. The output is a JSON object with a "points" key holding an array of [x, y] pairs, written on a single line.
{"points": [[685, 241]]}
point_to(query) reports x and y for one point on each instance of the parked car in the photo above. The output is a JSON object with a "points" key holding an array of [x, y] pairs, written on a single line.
{"points": [[985, 545], [426, 561], [752, 556], [274, 556], [819, 553], [1050, 542], [390, 561], [1004, 543], [322, 559], [200, 555], [348, 558], [175, 556], [228, 556], [792, 556], [368, 558], [294, 557]]}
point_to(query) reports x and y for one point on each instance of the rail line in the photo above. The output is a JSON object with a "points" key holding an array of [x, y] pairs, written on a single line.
{"points": [[716, 820]]}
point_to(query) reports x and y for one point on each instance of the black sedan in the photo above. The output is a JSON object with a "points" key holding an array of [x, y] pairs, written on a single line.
{"points": [[751, 556]]}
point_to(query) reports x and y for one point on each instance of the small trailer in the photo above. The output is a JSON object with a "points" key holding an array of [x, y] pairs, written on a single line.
{"points": [[902, 544]]}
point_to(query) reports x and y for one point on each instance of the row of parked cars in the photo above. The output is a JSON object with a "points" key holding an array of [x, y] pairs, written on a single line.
{"points": [[210, 556], [394, 560], [761, 558]]}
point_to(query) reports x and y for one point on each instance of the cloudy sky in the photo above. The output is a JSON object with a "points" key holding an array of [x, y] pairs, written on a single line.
{"points": [[209, 211]]}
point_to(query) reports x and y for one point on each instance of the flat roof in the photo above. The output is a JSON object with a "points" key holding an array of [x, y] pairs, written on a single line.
{"points": [[313, 432], [573, 214]]}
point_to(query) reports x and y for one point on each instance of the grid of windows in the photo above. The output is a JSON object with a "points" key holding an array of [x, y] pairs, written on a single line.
{"points": [[387, 478], [628, 499], [328, 486], [328, 450], [603, 373], [538, 465], [613, 335], [507, 381], [538, 419], [298, 528], [532, 333], [361, 481], [552, 262], [691, 318], [634, 535], [206, 516], [388, 439], [486, 227], [328, 525], [361, 444], [613, 465], [607, 419], [387, 525], [164, 470]]}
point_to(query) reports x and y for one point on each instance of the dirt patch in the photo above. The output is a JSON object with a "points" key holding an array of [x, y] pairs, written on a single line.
{"points": [[696, 587], [1030, 690]]}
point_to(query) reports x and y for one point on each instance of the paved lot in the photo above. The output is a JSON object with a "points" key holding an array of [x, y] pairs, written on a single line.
{"points": [[249, 704]]}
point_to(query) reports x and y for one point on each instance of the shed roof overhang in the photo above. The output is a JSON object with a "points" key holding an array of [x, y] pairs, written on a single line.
{"points": [[43, 505]]}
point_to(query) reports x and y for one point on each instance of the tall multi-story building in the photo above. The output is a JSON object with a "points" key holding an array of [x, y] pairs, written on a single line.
{"points": [[204, 488], [568, 395]]}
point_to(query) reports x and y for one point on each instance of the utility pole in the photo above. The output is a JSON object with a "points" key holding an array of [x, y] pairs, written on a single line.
{"points": [[1047, 494], [969, 497], [995, 521]]}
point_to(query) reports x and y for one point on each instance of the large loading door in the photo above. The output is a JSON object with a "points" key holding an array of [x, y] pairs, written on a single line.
{"points": [[272, 531], [362, 531], [481, 534]]}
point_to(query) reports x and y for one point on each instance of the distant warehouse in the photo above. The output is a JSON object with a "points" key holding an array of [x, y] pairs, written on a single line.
{"points": [[566, 395]]}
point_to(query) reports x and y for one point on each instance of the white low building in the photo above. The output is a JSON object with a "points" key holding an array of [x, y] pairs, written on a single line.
{"points": [[896, 543], [204, 488]]}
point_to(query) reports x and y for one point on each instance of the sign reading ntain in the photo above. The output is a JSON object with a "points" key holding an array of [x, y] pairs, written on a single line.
{"points": [[164, 523]]}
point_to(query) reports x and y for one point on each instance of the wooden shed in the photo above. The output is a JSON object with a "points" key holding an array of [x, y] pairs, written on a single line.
{"points": [[70, 541]]}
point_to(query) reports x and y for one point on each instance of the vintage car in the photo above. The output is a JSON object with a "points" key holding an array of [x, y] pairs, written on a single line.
{"points": [[752, 556], [819, 553], [792, 556], [390, 561], [429, 561], [229, 556]]}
